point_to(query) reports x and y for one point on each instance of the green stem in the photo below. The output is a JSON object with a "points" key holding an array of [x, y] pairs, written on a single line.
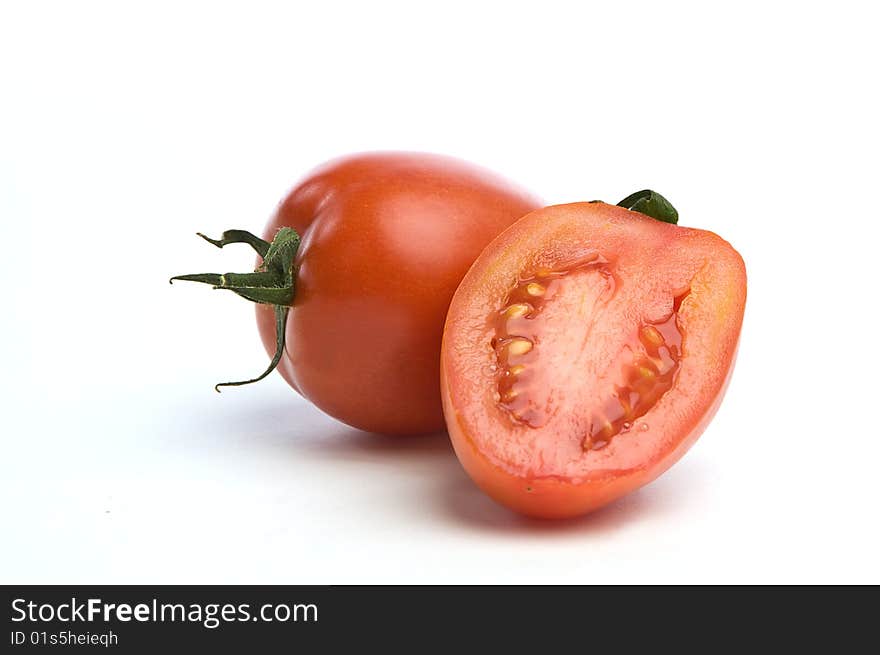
{"points": [[272, 283], [652, 204]]}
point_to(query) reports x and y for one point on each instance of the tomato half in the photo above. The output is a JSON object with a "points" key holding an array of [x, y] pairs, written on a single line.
{"points": [[584, 353], [359, 264]]}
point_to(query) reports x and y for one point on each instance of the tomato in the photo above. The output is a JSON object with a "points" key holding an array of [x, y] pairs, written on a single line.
{"points": [[584, 353], [370, 249]]}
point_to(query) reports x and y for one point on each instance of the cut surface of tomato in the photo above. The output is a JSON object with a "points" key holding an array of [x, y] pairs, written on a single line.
{"points": [[584, 353]]}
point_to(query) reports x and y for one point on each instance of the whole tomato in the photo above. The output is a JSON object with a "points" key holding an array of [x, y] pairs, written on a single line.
{"points": [[358, 266]]}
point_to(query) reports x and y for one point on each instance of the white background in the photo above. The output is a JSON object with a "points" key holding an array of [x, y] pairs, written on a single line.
{"points": [[127, 127]]}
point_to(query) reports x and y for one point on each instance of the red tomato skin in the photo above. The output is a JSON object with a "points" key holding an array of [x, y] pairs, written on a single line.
{"points": [[386, 238], [547, 495]]}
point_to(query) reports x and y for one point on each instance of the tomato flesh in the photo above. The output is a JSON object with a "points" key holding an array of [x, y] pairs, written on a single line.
{"points": [[585, 351]]}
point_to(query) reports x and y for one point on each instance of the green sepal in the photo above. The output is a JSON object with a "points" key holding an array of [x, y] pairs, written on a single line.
{"points": [[272, 283], [651, 204]]}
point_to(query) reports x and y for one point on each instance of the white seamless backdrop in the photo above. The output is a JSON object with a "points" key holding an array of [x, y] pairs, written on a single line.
{"points": [[127, 127]]}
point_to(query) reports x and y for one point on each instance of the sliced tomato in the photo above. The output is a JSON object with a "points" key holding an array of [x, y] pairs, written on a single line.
{"points": [[585, 351]]}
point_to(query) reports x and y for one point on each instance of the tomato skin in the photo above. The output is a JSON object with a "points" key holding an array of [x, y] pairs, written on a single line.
{"points": [[386, 238], [498, 453]]}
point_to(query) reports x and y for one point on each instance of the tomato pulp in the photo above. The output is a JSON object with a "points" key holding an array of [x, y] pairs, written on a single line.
{"points": [[585, 351], [386, 238]]}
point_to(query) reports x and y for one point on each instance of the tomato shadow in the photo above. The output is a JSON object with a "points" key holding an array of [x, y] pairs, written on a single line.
{"points": [[279, 422], [344, 442], [662, 500], [297, 428], [429, 483]]}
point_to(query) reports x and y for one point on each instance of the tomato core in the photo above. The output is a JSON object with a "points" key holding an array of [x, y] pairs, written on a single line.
{"points": [[650, 357]]}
